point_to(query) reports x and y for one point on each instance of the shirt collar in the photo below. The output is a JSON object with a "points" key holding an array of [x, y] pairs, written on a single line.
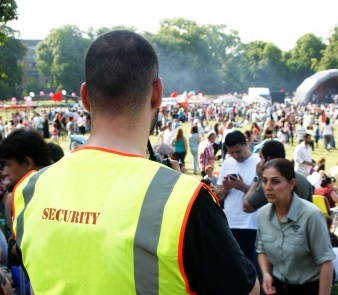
{"points": [[293, 211]]}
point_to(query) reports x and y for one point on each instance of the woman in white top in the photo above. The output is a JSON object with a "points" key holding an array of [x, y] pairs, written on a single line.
{"points": [[327, 132], [194, 140]]}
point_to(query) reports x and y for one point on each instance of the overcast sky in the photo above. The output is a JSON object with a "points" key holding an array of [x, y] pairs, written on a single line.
{"points": [[279, 22]]}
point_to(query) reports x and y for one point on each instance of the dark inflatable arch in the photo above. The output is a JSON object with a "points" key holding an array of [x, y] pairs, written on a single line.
{"points": [[321, 87]]}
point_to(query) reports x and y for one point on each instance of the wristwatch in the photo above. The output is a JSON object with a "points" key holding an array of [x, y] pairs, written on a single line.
{"points": [[256, 179]]}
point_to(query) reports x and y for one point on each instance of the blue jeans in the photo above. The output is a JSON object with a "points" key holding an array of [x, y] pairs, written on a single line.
{"points": [[194, 152]]}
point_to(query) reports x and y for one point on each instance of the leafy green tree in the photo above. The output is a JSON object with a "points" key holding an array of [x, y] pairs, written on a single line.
{"points": [[8, 11], [186, 61], [330, 54], [11, 54], [224, 47], [263, 65], [304, 59], [61, 56]]}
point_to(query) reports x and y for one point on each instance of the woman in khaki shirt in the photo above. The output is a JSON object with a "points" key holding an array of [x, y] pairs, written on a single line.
{"points": [[293, 245]]}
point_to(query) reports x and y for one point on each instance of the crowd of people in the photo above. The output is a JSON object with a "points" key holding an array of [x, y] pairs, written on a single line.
{"points": [[52, 124], [128, 225], [240, 187]]}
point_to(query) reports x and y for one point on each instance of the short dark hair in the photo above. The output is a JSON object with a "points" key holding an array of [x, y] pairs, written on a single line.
{"points": [[235, 137], [121, 67], [193, 129], [273, 149], [306, 135], [55, 151], [22, 143]]}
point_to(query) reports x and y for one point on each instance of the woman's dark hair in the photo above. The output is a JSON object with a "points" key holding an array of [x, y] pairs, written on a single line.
{"points": [[22, 143], [194, 129], [326, 180], [216, 128], [327, 121], [179, 134], [284, 167]]}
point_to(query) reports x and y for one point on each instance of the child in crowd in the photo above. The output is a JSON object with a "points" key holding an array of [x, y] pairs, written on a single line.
{"points": [[55, 134], [209, 170]]}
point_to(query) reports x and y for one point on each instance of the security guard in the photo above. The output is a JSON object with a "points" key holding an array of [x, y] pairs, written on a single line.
{"points": [[104, 219]]}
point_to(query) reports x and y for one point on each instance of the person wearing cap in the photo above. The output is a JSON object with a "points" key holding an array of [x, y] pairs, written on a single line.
{"points": [[206, 155]]}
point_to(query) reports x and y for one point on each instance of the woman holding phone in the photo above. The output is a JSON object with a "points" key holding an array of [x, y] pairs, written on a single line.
{"points": [[293, 245]]}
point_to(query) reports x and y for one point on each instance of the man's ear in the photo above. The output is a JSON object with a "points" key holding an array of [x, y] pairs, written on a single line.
{"points": [[84, 96], [156, 96], [30, 165]]}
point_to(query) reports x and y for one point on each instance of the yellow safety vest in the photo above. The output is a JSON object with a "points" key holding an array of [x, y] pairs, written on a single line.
{"points": [[103, 222]]}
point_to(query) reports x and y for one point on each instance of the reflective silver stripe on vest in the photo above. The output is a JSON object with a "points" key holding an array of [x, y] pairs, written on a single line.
{"points": [[27, 193], [146, 270]]}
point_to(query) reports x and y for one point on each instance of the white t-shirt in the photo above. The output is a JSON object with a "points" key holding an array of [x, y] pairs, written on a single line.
{"points": [[168, 135], [327, 129], [233, 203], [302, 153], [300, 132]]}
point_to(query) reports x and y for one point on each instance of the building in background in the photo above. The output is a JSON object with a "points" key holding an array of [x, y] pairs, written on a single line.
{"points": [[31, 74]]}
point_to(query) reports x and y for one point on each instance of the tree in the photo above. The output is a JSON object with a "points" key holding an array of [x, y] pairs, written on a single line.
{"points": [[11, 53], [62, 57], [185, 57], [304, 59], [224, 47], [263, 65], [8, 11], [330, 54]]}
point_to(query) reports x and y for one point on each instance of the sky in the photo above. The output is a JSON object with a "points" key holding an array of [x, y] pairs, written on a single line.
{"points": [[276, 21]]}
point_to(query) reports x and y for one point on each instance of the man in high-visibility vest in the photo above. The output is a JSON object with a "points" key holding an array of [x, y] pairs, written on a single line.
{"points": [[105, 219]]}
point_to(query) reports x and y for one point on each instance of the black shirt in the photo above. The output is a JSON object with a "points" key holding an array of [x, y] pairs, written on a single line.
{"points": [[213, 261]]}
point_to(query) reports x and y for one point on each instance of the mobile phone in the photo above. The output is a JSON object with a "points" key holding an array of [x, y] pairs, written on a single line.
{"points": [[234, 175]]}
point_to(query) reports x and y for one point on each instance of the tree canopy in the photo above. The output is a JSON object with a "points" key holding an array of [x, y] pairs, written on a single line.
{"points": [[201, 58]]}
